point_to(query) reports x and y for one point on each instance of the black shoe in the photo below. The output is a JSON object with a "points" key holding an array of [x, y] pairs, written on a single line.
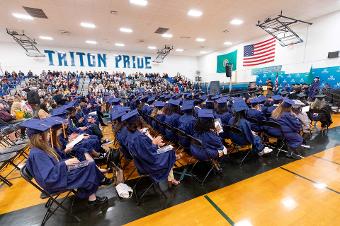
{"points": [[106, 181], [293, 156], [98, 201]]}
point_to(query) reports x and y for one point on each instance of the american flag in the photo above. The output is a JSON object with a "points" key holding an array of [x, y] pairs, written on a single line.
{"points": [[259, 53]]}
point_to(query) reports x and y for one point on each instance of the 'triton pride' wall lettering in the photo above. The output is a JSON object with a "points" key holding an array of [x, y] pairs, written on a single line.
{"points": [[82, 59]]}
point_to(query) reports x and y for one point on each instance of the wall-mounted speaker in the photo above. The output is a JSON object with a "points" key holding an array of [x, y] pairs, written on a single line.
{"points": [[334, 54]]}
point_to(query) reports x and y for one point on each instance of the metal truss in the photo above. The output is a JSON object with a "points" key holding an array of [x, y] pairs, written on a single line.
{"points": [[279, 28], [162, 53], [25, 42]]}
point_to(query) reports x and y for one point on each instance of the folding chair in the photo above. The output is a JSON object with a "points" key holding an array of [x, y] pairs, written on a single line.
{"points": [[234, 131], [280, 139], [7, 157], [154, 184], [52, 198]]}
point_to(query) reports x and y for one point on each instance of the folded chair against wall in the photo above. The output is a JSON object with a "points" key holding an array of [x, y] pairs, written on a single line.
{"points": [[53, 203], [232, 146]]}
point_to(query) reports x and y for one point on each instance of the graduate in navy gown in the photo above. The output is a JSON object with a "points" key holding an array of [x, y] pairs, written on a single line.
{"points": [[239, 120], [55, 174], [144, 150], [120, 132], [172, 116], [187, 120], [255, 114], [314, 88], [222, 112], [290, 126], [158, 114], [212, 146]]}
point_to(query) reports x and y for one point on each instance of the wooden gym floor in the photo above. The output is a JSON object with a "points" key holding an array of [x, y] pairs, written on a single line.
{"points": [[265, 191]]}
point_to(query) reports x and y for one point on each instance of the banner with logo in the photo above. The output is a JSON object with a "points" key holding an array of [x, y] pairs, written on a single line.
{"points": [[229, 58], [328, 76]]}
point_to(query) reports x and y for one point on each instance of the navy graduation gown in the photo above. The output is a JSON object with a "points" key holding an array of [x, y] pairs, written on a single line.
{"points": [[53, 175], [291, 127], [146, 158], [258, 116], [187, 123], [172, 120], [121, 136], [248, 138], [211, 143], [224, 117]]}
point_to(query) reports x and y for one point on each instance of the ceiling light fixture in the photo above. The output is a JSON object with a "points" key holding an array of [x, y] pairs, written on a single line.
{"points": [[45, 37], [228, 43], [88, 25], [119, 44], [126, 30], [179, 50], [236, 21], [194, 13], [152, 47], [139, 2], [22, 16], [91, 42], [200, 39], [167, 35], [203, 52]]}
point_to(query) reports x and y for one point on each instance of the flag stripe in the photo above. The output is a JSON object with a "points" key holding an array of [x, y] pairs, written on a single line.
{"points": [[270, 56], [264, 62], [259, 53], [257, 57]]}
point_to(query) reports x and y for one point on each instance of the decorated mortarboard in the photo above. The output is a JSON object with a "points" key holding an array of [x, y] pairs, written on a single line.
{"points": [[222, 100], [117, 114], [240, 105], [320, 96], [287, 102], [159, 104], [174, 102], [130, 115], [277, 97], [35, 126], [187, 105], [205, 113]]}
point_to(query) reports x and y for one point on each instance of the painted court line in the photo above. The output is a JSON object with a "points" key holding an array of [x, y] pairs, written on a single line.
{"points": [[308, 179], [223, 214], [325, 159]]}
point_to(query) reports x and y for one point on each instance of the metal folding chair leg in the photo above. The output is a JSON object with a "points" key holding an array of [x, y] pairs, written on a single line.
{"points": [[3, 179]]}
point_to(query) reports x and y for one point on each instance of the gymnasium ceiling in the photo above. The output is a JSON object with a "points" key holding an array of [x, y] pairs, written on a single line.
{"points": [[66, 15]]}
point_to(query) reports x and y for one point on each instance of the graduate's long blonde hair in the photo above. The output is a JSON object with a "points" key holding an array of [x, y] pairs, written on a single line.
{"points": [[276, 114], [43, 144]]}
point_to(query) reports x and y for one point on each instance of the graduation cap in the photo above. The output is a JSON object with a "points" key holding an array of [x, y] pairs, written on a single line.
{"points": [[114, 100], [35, 126], [215, 97], [117, 114], [151, 100], [301, 95], [320, 96], [209, 104], [240, 106], [277, 97], [222, 100], [159, 104], [174, 102], [298, 103], [287, 102], [60, 111], [54, 121], [261, 99], [283, 93], [187, 105], [205, 113], [254, 101], [203, 97], [130, 115]]}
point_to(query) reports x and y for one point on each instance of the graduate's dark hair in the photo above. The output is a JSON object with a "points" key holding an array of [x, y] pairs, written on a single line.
{"points": [[220, 109], [204, 125], [134, 124], [238, 116]]}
